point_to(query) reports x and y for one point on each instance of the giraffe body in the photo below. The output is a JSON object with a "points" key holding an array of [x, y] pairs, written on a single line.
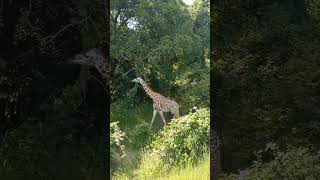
{"points": [[161, 104]]}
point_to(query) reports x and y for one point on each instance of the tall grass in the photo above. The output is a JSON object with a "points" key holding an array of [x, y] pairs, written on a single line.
{"points": [[134, 121], [129, 116], [199, 172], [190, 142]]}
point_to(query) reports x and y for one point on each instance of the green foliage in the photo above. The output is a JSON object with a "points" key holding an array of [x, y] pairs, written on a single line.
{"points": [[134, 121], [313, 9], [295, 163], [193, 84], [69, 100], [47, 129], [54, 143], [182, 142], [168, 50], [167, 44], [117, 149], [18, 149], [116, 138], [265, 77]]}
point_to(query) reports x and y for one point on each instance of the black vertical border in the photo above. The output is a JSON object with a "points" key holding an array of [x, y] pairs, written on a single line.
{"points": [[106, 48], [215, 122]]}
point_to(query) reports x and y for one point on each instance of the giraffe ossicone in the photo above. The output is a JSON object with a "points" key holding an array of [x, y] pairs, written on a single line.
{"points": [[161, 104]]}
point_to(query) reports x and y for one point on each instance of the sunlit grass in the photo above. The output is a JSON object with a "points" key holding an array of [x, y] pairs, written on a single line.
{"points": [[199, 172], [135, 122]]}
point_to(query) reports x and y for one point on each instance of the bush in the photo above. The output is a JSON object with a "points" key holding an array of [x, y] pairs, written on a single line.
{"points": [[181, 143], [116, 146], [296, 163]]}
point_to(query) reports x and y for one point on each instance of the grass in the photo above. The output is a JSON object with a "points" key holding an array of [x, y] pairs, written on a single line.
{"points": [[200, 171], [134, 121], [129, 117]]}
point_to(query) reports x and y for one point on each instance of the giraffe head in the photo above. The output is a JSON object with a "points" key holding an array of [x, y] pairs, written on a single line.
{"points": [[93, 57], [84, 59], [137, 80]]}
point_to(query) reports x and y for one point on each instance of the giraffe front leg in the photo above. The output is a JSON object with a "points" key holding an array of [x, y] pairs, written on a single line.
{"points": [[154, 115], [162, 117]]}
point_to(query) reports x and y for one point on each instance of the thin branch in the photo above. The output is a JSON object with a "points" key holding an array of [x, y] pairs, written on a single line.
{"points": [[125, 57], [124, 74], [152, 51], [50, 38]]}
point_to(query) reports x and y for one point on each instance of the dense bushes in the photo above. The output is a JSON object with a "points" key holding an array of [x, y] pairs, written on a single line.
{"points": [[117, 149], [296, 163], [180, 143], [266, 78]]}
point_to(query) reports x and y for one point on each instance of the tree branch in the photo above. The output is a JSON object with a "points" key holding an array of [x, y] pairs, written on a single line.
{"points": [[50, 38]]}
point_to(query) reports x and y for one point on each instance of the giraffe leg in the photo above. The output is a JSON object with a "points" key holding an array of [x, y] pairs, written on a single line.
{"points": [[154, 115], [176, 114], [162, 117]]}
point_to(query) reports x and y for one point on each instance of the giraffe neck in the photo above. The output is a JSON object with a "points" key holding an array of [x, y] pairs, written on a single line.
{"points": [[147, 89]]}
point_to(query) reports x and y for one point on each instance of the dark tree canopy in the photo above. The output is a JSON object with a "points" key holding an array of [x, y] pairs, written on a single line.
{"points": [[265, 73], [46, 117]]}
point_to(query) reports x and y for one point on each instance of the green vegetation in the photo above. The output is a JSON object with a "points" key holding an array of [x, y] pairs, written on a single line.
{"points": [[180, 145], [52, 124], [295, 163], [133, 124], [200, 171], [266, 83], [170, 50], [37, 150], [167, 44]]}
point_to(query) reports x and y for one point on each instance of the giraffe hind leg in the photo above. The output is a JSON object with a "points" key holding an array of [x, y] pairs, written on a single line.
{"points": [[154, 115], [162, 117], [176, 114]]}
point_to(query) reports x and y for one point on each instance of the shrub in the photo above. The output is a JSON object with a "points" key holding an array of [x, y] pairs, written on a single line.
{"points": [[296, 163], [116, 146], [181, 143]]}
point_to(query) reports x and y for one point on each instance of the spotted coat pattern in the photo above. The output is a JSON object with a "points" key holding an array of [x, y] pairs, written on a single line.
{"points": [[160, 103], [95, 58]]}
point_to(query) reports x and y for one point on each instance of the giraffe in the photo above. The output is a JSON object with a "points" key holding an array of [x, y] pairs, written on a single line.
{"points": [[94, 57], [161, 104]]}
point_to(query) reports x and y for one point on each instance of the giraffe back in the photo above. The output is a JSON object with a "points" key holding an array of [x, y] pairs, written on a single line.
{"points": [[164, 104]]}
